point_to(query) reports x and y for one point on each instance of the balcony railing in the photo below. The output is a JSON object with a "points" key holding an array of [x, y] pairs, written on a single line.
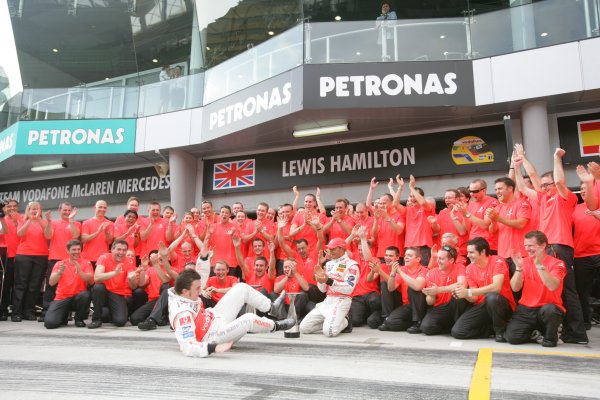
{"points": [[471, 36]]}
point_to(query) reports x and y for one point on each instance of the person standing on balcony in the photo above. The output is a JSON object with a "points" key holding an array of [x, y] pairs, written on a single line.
{"points": [[383, 28]]}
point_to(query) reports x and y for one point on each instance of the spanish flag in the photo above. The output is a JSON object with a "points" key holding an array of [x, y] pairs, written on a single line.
{"points": [[589, 137]]}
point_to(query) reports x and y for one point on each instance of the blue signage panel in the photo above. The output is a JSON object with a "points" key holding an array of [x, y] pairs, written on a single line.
{"points": [[92, 136], [8, 142]]}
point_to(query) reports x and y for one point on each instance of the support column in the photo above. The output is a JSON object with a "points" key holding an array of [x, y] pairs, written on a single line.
{"points": [[536, 135], [523, 24], [182, 169]]}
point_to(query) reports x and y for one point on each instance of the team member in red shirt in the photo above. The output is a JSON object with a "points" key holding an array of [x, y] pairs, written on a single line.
{"points": [[540, 276], [489, 291], [154, 279], [261, 228], [133, 204], [155, 231], [366, 297], [31, 261], [218, 285], [450, 220], [97, 233], [63, 230], [388, 225], [381, 273], [509, 219], [340, 224], [285, 213], [71, 278], [444, 309], [557, 204], [300, 229], [305, 258], [115, 279], [292, 281], [418, 229], [475, 213], [256, 275], [409, 280], [586, 263], [220, 240], [129, 231], [9, 225]]}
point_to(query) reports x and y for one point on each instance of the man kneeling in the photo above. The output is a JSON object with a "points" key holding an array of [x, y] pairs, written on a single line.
{"points": [[201, 331]]}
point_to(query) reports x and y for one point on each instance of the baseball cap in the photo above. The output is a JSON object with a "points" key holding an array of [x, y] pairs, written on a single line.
{"points": [[336, 242]]}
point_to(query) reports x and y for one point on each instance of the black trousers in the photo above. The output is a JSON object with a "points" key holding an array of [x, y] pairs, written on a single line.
{"points": [[8, 282], [58, 311], [366, 308], [586, 269], [401, 318], [50, 291], [152, 309], [389, 301], [573, 325], [117, 305], [478, 321], [29, 275], [440, 319], [525, 320], [139, 298]]}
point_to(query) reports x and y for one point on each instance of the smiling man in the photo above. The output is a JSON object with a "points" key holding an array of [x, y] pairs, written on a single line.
{"points": [[201, 331], [540, 307]]}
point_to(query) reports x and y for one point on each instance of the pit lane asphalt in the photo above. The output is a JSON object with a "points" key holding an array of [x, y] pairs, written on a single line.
{"points": [[110, 363]]}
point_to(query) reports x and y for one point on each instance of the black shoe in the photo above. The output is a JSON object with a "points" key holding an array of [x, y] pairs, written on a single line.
{"points": [[285, 324], [95, 324], [500, 338], [348, 328], [278, 307], [147, 325], [3, 316], [414, 329], [16, 318], [548, 343], [383, 327], [572, 340], [29, 317], [162, 322], [536, 337], [80, 324]]}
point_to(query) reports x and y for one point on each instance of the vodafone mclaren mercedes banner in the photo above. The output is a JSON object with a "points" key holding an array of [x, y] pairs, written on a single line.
{"points": [[385, 85], [83, 191], [442, 153]]}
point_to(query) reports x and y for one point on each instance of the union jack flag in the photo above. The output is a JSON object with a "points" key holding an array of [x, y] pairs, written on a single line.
{"points": [[234, 174]]}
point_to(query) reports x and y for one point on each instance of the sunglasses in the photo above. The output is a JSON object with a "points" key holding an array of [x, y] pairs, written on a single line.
{"points": [[476, 191], [546, 185]]}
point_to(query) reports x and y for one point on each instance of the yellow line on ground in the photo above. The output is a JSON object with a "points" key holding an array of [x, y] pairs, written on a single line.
{"points": [[482, 376], [546, 353]]}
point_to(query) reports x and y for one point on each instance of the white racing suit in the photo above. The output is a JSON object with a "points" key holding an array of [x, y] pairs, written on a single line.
{"points": [[329, 316], [196, 327]]}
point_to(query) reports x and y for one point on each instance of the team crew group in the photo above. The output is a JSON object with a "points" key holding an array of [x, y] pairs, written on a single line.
{"points": [[515, 266]]}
